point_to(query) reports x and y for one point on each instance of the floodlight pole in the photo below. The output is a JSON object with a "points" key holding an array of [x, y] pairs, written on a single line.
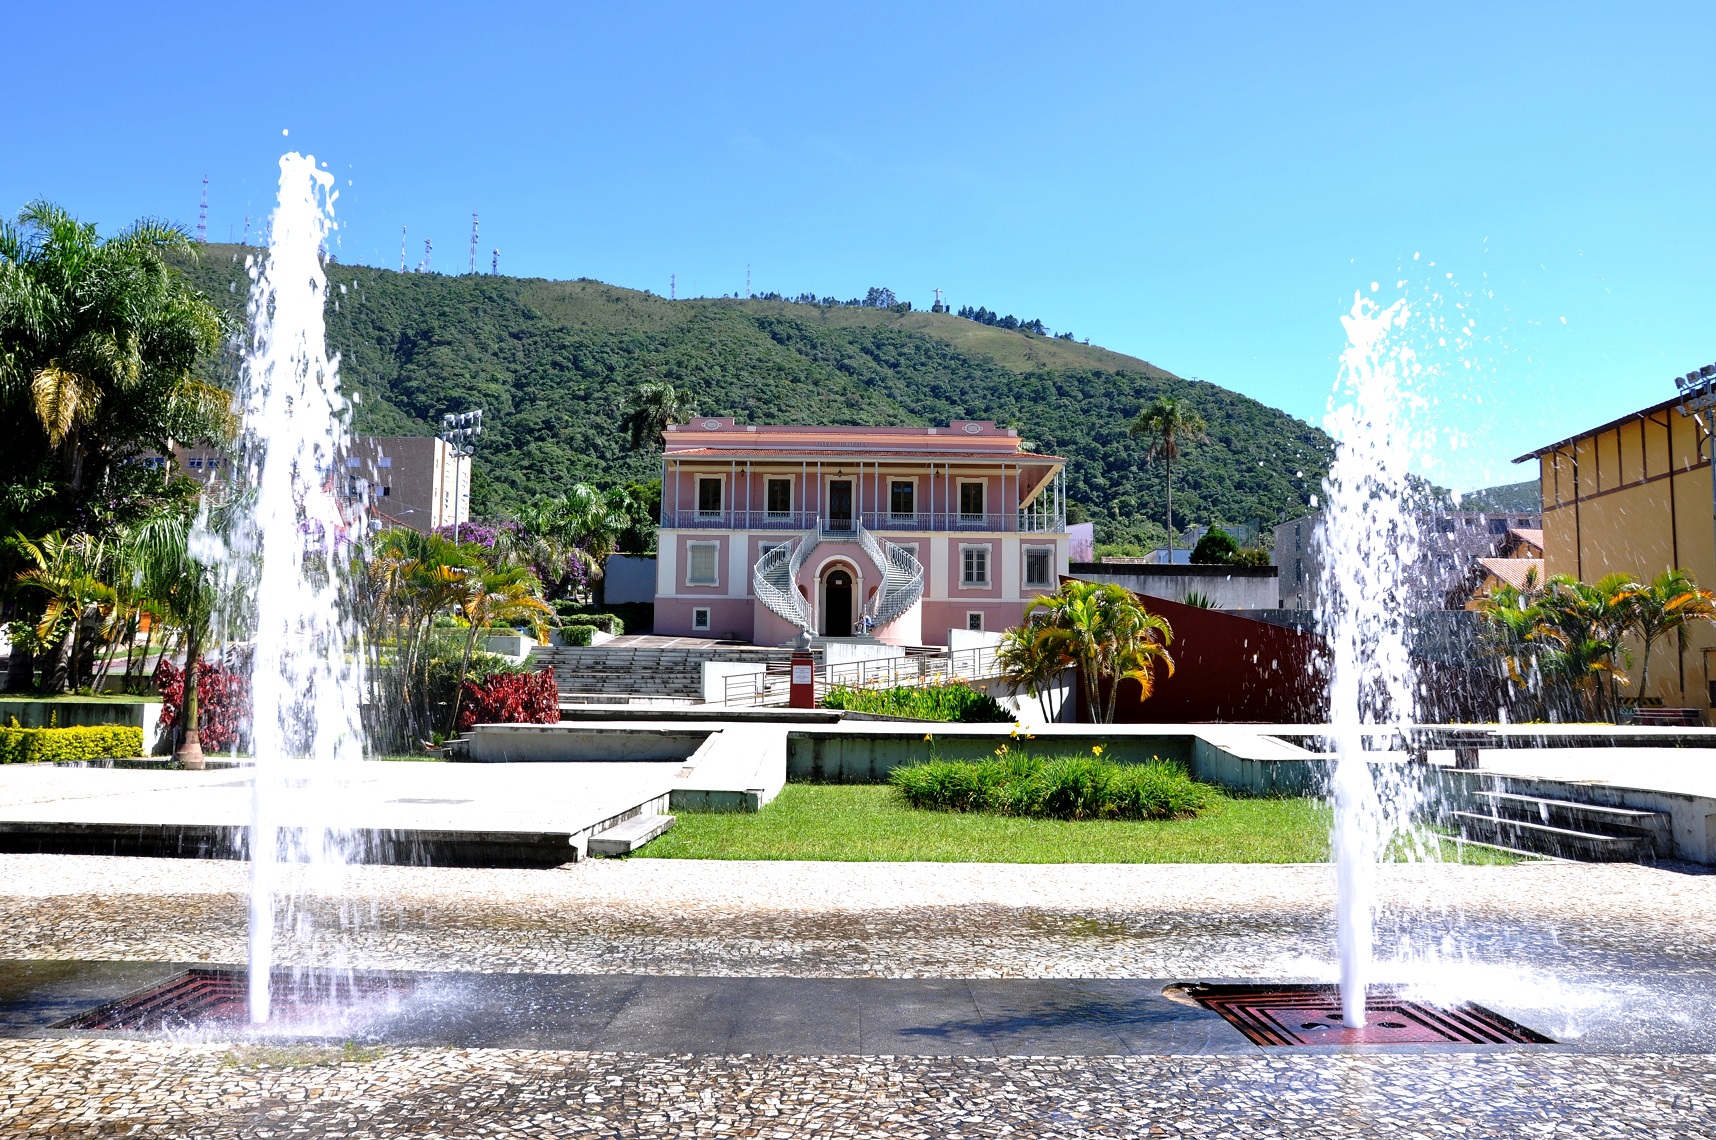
{"points": [[460, 430]]}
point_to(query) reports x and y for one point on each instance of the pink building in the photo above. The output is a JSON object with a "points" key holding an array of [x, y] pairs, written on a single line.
{"points": [[769, 534]]}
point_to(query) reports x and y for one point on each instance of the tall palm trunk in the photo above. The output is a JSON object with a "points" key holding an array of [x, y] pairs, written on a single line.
{"points": [[56, 671], [1169, 468], [190, 751]]}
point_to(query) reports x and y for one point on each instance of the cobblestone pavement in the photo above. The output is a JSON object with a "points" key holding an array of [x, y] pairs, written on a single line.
{"points": [[1570, 923], [859, 919], [158, 1089]]}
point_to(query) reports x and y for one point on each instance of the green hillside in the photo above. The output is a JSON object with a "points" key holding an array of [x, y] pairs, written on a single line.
{"points": [[552, 362]]}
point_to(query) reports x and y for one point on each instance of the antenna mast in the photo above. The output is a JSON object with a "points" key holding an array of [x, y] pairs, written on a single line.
{"points": [[494, 262], [428, 252], [747, 279], [203, 214], [402, 249], [673, 286], [247, 229], [473, 241]]}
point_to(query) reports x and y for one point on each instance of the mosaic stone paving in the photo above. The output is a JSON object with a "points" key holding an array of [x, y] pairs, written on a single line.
{"points": [[1621, 939]]}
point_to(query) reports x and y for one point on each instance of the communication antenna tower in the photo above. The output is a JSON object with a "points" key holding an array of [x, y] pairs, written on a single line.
{"points": [[428, 252], [673, 286], [203, 214], [494, 261], [402, 249], [247, 229], [473, 242], [747, 279]]}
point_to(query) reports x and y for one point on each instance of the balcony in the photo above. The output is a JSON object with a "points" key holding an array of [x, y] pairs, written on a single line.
{"points": [[1014, 522]]}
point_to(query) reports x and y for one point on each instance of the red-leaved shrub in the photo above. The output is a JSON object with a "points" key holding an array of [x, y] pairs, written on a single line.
{"points": [[510, 698], [223, 702]]}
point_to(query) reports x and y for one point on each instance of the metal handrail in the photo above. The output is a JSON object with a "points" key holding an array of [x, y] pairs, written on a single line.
{"points": [[785, 601], [773, 683]]}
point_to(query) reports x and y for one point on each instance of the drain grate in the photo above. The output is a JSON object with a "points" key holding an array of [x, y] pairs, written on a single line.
{"points": [[215, 997], [1311, 1015]]}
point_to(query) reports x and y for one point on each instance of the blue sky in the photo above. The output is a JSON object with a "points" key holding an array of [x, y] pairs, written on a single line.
{"points": [[1204, 186]]}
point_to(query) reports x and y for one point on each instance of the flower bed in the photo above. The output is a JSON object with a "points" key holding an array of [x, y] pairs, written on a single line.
{"points": [[510, 698], [1053, 787], [945, 701]]}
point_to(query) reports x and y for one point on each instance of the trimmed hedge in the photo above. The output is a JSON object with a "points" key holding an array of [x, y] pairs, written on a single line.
{"points": [[948, 701], [577, 634], [1060, 787], [63, 745]]}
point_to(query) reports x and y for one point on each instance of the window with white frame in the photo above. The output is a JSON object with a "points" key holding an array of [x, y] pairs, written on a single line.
{"points": [[778, 496], [700, 562], [709, 495], [902, 498], [700, 618], [974, 566], [1039, 565], [974, 620], [971, 499]]}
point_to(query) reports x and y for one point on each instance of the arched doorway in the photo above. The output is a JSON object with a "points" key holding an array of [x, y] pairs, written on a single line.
{"points": [[837, 603]]}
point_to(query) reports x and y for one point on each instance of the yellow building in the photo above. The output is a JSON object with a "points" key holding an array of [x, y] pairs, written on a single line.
{"points": [[1634, 496]]}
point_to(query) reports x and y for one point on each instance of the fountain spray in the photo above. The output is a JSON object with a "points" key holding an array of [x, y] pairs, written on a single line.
{"points": [[288, 548], [1370, 534]]}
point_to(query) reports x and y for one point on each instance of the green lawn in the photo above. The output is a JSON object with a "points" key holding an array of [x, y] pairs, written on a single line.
{"points": [[867, 823]]}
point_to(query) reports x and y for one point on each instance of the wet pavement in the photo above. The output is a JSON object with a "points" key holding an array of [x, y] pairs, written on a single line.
{"points": [[668, 998]]}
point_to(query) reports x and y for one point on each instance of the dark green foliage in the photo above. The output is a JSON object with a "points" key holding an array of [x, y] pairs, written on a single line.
{"points": [[577, 634], [953, 701], [554, 362], [1523, 498], [1215, 547], [1059, 787]]}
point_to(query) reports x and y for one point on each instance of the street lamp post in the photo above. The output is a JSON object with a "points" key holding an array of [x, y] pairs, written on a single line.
{"points": [[460, 430]]}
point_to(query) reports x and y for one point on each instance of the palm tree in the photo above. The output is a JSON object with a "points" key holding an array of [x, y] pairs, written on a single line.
{"points": [[185, 589], [1030, 662], [1169, 423], [651, 407], [492, 598], [1667, 605], [1107, 633], [1588, 622], [68, 572], [100, 339]]}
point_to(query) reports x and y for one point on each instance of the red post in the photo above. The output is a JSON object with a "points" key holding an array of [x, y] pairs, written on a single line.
{"points": [[803, 681]]}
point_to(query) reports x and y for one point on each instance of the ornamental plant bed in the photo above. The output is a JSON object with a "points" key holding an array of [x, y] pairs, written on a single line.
{"points": [[510, 698], [1074, 787], [223, 703], [944, 701]]}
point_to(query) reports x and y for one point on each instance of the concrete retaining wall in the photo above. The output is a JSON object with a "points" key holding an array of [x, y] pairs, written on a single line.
{"points": [[559, 743]]}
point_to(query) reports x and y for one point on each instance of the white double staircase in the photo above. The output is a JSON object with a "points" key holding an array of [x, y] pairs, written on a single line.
{"points": [[775, 577]]}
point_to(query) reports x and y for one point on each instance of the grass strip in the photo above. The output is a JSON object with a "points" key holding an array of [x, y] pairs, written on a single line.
{"points": [[863, 823]]}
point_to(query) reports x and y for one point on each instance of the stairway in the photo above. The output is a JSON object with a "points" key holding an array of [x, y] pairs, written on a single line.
{"points": [[1593, 833], [902, 577], [774, 580], [638, 674]]}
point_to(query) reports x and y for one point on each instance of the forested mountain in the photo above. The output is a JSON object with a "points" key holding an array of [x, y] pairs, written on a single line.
{"points": [[551, 363]]}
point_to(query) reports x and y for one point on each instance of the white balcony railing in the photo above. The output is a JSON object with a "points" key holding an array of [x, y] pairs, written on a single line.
{"points": [[1021, 522]]}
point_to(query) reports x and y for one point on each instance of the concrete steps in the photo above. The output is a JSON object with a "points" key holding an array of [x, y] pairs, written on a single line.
{"points": [[624, 838], [1595, 833], [640, 672]]}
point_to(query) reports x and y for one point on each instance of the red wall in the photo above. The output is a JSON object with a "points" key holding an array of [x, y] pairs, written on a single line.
{"points": [[1228, 668]]}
